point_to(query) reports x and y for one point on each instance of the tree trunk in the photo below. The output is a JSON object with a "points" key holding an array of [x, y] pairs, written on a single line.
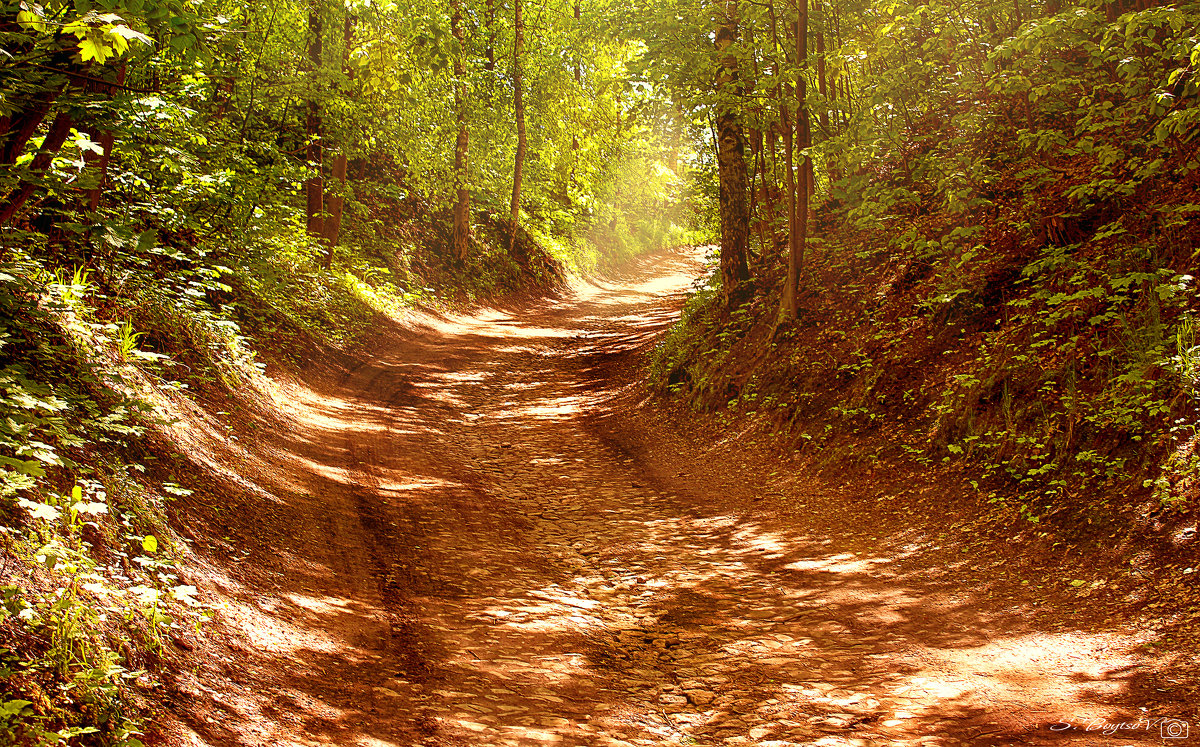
{"points": [[332, 229], [314, 185], [461, 234], [107, 141], [822, 86], [770, 190], [758, 208], [731, 167], [60, 128], [578, 85], [17, 128], [519, 108], [798, 238], [788, 303], [490, 65]]}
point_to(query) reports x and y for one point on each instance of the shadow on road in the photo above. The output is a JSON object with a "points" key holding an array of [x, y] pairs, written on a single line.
{"points": [[449, 545]]}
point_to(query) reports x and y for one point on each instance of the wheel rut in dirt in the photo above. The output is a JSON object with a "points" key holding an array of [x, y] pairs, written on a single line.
{"points": [[476, 559]]}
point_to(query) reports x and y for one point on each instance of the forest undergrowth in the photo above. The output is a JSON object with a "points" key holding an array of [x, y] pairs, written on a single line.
{"points": [[1001, 308], [193, 194], [97, 358]]}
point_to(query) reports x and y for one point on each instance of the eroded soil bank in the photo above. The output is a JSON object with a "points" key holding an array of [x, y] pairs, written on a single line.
{"points": [[480, 537]]}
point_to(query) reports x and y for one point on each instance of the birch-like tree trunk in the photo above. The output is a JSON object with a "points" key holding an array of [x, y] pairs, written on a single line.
{"points": [[731, 166], [519, 109], [461, 233], [798, 238]]}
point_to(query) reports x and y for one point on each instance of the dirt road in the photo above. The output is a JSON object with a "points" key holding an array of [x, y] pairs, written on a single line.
{"points": [[459, 542]]}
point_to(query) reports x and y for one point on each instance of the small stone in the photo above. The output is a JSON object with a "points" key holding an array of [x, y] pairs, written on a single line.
{"points": [[699, 697]]}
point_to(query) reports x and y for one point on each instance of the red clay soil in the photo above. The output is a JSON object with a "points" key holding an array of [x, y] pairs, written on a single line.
{"points": [[484, 535]]}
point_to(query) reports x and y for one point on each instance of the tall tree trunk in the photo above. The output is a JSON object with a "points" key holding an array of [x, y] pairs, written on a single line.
{"points": [[758, 208], [461, 234], [17, 128], [770, 194], [578, 85], [106, 141], [519, 108], [314, 185], [784, 128], [788, 300], [798, 239], [490, 65], [822, 86], [731, 167], [60, 128], [332, 229]]}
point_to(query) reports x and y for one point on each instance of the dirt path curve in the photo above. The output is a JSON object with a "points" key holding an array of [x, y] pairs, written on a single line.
{"points": [[446, 549]]}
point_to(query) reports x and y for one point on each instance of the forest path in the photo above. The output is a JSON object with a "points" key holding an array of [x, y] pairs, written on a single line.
{"points": [[455, 545]]}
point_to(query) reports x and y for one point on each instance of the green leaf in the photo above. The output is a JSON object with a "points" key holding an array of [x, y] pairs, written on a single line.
{"points": [[92, 49], [29, 467], [11, 708], [147, 240]]}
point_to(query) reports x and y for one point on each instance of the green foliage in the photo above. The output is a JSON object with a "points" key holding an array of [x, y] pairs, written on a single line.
{"points": [[165, 249], [64, 400], [1005, 240], [81, 614]]}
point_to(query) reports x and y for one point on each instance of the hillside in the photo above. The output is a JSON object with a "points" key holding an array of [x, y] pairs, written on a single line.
{"points": [[996, 292]]}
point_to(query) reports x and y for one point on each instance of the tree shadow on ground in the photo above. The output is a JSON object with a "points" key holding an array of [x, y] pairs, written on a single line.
{"points": [[449, 545]]}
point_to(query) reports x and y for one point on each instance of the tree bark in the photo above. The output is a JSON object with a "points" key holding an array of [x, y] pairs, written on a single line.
{"points": [[314, 186], [798, 235], [490, 65], [787, 300], [20, 126], [519, 108], [332, 229], [107, 141], [578, 85], [461, 234], [822, 85], [731, 167], [60, 128], [770, 190], [757, 193]]}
